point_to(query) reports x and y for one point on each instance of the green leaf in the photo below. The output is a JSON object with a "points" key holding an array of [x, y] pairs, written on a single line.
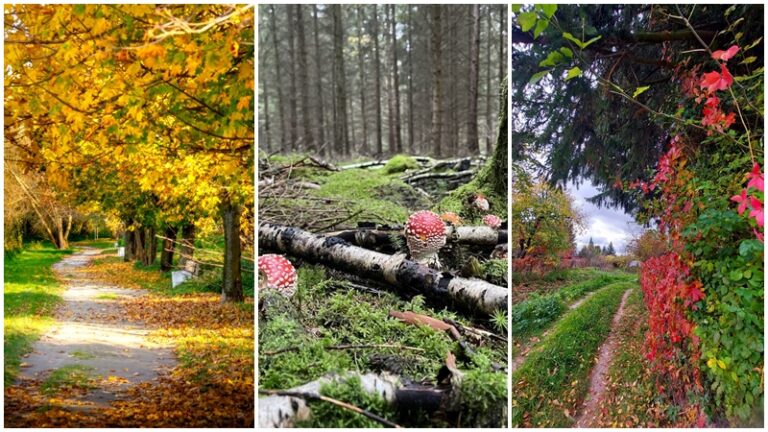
{"points": [[591, 41], [79, 9], [538, 76], [553, 59], [639, 91], [548, 9], [541, 25], [573, 73], [566, 52], [748, 60], [571, 38], [526, 20], [735, 275], [516, 7]]}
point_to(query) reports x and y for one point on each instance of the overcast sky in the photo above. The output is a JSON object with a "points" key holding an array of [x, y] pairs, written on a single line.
{"points": [[603, 224]]}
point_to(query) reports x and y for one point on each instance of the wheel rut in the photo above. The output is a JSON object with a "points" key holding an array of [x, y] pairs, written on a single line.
{"points": [[590, 409]]}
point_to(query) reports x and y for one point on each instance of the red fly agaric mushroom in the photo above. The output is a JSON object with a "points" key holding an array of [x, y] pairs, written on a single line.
{"points": [[280, 274], [425, 235], [492, 221], [480, 202]]}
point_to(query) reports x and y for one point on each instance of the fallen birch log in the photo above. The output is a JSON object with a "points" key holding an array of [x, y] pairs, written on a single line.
{"points": [[439, 175], [474, 235], [277, 411], [474, 294]]}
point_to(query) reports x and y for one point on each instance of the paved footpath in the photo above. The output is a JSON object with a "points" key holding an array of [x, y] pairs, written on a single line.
{"points": [[91, 331]]}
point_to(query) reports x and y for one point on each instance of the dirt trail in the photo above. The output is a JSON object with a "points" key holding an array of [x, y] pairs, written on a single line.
{"points": [[92, 332], [520, 354], [591, 408]]}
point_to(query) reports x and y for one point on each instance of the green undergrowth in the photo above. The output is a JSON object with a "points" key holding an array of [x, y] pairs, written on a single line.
{"points": [[556, 276], [400, 163], [30, 293], [532, 316], [554, 379], [295, 336]]}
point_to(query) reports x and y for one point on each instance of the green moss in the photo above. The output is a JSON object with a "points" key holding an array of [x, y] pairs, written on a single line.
{"points": [[484, 399], [400, 163], [327, 312], [495, 271], [82, 355], [326, 415]]}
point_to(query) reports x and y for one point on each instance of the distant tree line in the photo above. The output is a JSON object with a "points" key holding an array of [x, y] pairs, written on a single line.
{"points": [[376, 80]]}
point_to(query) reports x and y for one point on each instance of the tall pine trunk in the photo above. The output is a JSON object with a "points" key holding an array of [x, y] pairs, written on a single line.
{"points": [[395, 83], [488, 115], [278, 78], [309, 143], [232, 284], [363, 86], [341, 137], [437, 77], [377, 59], [294, 144], [319, 106], [411, 148], [473, 143]]}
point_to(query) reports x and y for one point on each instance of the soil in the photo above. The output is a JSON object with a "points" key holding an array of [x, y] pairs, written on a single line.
{"points": [[590, 410], [91, 331]]}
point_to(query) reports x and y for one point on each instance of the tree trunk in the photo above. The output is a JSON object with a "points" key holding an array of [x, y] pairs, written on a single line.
{"points": [[150, 246], [472, 294], [377, 59], [502, 44], [361, 66], [391, 147], [169, 245], [232, 284], [437, 76], [187, 248], [139, 244], [396, 83], [452, 114], [341, 139], [278, 78], [411, 149], [309, 143], [128, 241], [488, 116], [319, 108], [265, 94], [294, 144], [473, 143]]}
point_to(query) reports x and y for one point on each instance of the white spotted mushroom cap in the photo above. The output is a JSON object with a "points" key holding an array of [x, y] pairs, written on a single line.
{"points": [[492, 221], [425, 235], [480, 202], [280, 274]]}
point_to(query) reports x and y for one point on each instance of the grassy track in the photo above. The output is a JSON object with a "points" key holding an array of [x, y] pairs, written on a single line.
{"points": [[531, 317], [554, 379], [31, 293]]}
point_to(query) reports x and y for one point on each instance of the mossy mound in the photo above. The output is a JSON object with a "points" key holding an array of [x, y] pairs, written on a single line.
{"points": [[400, 163]]}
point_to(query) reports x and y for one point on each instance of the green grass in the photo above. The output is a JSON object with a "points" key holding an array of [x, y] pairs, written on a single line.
{"points": [[69, 376], [553, 380], [31, 293], [534, 315], [82, 355], [107, 296], [103, 243]]}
